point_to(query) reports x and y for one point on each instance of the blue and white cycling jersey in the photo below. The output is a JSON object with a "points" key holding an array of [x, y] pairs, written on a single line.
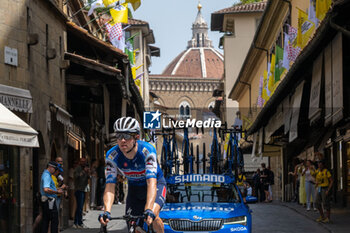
{"points": [[143, 166]]}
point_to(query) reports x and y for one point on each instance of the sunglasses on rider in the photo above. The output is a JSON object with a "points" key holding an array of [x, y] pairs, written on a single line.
{"points": [[126, 136]]}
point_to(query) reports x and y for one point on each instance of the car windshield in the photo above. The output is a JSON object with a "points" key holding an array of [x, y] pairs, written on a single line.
{"points": [[202, 192]]}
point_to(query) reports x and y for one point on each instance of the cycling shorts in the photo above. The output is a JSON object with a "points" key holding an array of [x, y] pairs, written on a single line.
{"points": [[137, 197]]}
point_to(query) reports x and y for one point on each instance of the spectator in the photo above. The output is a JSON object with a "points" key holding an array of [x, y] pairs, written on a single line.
{"points": [[100, 183], [87, 192], [271, 182], [249, 189], [302, 192], [4, 198], [258, 192], [120, 189], [241, 179], [264, 177], [94, 178], [324, 183], [309, 173], [71, 190], [296, 179], [81, 178], [49, 193], [58, 179]]}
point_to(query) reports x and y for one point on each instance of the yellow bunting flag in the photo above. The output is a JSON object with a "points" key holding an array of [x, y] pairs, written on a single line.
{"points": [[109, 2], [135, 3], [305, 29], [271, 81], [120, 13], [322, 7]]}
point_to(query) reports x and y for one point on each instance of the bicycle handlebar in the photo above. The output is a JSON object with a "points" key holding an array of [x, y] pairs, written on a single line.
{"points": [[127, 217]]}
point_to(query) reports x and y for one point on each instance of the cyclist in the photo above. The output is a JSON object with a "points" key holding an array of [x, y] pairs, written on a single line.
{"points": [[137, 161]]}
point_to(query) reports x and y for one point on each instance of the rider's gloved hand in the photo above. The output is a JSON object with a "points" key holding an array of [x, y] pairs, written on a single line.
{"points": [[149, 213], [104, 216]]}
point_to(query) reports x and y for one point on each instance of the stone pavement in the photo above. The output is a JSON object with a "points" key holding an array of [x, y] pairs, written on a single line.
{"points": [[90, 220], [340, 217]]}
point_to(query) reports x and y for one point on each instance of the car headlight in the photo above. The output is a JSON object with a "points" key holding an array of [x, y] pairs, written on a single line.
{"points": [[165, 221], [236, 220]]}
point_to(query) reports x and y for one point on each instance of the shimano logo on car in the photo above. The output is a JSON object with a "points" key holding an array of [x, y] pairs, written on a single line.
{"points": [[209, 123], [199, 178]]}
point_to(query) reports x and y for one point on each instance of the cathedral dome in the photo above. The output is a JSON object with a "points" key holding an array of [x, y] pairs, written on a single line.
{"points": [[200, 60]]}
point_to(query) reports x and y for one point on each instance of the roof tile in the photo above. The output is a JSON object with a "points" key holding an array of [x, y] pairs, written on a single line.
{"points": [[244, 8]]}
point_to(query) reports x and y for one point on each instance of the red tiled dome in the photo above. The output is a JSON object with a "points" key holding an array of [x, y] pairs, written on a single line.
{"points": [[204, 62]]}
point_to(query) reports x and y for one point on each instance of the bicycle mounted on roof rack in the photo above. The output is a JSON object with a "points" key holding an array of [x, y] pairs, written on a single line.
{"points": [[170, 159]]}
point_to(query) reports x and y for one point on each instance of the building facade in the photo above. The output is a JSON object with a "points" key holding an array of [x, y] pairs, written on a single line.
{"points": [[62, 77], [306, 110], [239, 24]]}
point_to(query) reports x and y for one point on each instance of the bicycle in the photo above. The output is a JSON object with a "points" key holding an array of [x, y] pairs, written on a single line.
{"points": [[174, 153], [165, 154], [186, 151], [133, 224], [234, 152], [215, 154]]}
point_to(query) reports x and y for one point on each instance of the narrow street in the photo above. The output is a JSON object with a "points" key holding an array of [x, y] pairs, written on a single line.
{"points": [[267, 218], [275, 218]]}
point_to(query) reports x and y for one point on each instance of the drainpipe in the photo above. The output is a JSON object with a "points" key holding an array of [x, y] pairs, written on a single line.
{"points": [[267, 53]]}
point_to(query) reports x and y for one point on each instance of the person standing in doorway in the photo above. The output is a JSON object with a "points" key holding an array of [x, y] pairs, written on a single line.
{"points": [[49, 193], [271, 182], [257, 184], [101, 181], [265, 181], [81, 178], [94, 166]]}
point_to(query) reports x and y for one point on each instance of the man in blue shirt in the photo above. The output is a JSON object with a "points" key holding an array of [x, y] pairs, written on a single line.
{"points": [[137, 161], [48, 198]]}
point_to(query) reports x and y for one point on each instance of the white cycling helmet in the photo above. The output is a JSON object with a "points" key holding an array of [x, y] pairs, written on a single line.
{"points": [[126, 125]]}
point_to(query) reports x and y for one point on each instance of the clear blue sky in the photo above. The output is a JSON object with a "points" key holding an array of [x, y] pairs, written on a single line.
{"points": [[171, 21]]}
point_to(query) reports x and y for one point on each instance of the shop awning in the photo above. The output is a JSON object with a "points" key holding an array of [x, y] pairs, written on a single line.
{"points": [[14, 131], [62, 115], [16, 98]]}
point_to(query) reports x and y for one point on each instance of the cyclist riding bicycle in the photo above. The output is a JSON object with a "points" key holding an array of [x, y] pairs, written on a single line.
{"points": [[137, 161]]}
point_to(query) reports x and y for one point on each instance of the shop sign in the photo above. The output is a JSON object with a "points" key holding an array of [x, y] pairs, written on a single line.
{"points": [[11, 56], [15, 139], [16, 99], [73, 142]]}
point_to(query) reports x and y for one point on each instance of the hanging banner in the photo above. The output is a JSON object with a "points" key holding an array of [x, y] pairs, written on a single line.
{"points": [[328, 84], [337, 74], [261, 141], [293, 132], [286, 114], [255, 135], [314, 106]]}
